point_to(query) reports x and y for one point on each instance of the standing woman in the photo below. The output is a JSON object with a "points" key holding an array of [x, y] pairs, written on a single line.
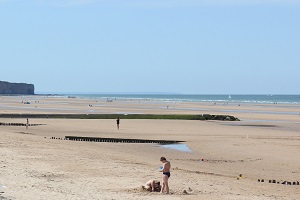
{"points": [[118, 122]]}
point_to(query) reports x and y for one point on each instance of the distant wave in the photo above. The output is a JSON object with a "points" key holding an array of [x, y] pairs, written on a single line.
{"points": [[257, 99]]}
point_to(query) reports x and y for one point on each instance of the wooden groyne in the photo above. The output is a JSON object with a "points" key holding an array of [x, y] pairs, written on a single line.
{"points": [[119, 140], [281, 182], [18, 124]]}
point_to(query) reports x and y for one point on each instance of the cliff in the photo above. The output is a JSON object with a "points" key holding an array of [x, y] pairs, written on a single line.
{"points": [[16, 88]]}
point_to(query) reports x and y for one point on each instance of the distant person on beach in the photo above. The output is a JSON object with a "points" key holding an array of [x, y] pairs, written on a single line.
{"points": [[166, 174], [152, 185], [118, 122], [27, 123]]}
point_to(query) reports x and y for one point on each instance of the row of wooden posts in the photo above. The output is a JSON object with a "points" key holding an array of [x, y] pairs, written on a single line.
{"points": [[17, 124], [118, 140], [281, 182]]}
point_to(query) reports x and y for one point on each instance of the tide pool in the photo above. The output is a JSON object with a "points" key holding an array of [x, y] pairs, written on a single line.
{"points": [[178, 147]]}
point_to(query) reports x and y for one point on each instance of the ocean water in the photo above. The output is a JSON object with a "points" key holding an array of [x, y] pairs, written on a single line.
{"points": [[258, 99]]}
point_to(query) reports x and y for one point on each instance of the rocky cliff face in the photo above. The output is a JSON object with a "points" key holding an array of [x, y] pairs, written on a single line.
{"points": [[16, 88]]}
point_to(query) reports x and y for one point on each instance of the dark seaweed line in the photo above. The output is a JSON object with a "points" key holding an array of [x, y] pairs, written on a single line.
{"points": [[128, 116]]}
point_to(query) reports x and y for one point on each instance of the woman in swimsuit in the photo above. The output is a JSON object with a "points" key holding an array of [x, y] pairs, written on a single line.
{"points": [[166, 174]]}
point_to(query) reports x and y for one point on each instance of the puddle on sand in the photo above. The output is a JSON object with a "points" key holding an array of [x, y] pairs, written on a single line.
{"points": [[179, 147]]}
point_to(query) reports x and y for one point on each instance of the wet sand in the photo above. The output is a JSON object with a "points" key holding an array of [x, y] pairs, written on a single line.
{"points": [[265, 145]]}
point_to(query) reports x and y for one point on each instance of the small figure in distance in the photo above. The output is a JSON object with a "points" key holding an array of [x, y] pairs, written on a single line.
{"points": [[152, 185], [166, 174], [118, 122], [27, 123]]}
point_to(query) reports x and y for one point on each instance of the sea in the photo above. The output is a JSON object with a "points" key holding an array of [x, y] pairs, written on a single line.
{"points": [[256, 99]]}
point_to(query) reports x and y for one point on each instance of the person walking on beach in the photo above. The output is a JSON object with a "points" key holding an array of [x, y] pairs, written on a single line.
{"points": [[166, 174], [118, 122], [27, 123]]}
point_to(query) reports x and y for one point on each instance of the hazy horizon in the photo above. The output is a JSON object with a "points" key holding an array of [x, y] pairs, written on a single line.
{"points": [[149, 93]]}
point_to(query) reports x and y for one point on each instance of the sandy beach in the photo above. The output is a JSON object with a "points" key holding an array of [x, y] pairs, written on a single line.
{"points": [[225, 160]]}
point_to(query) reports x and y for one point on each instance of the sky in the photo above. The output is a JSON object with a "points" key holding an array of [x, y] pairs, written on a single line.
{"points": [[149, 46]]}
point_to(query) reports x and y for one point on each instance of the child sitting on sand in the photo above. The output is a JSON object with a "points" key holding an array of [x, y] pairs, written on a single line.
{"points": [[152, 185]]}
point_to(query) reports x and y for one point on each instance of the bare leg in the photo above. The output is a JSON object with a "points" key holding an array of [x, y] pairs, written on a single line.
{"points": [[162, 188], [152, 186], [165, 184]]}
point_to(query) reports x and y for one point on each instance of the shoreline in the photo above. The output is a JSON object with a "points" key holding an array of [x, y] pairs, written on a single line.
{"points": [[291, 99]]}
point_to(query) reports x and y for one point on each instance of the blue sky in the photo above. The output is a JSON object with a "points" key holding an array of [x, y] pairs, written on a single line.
{"points": [[180, 46]]}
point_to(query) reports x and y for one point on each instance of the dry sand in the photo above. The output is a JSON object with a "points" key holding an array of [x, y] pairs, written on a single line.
{"points": [[264, 145]]}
